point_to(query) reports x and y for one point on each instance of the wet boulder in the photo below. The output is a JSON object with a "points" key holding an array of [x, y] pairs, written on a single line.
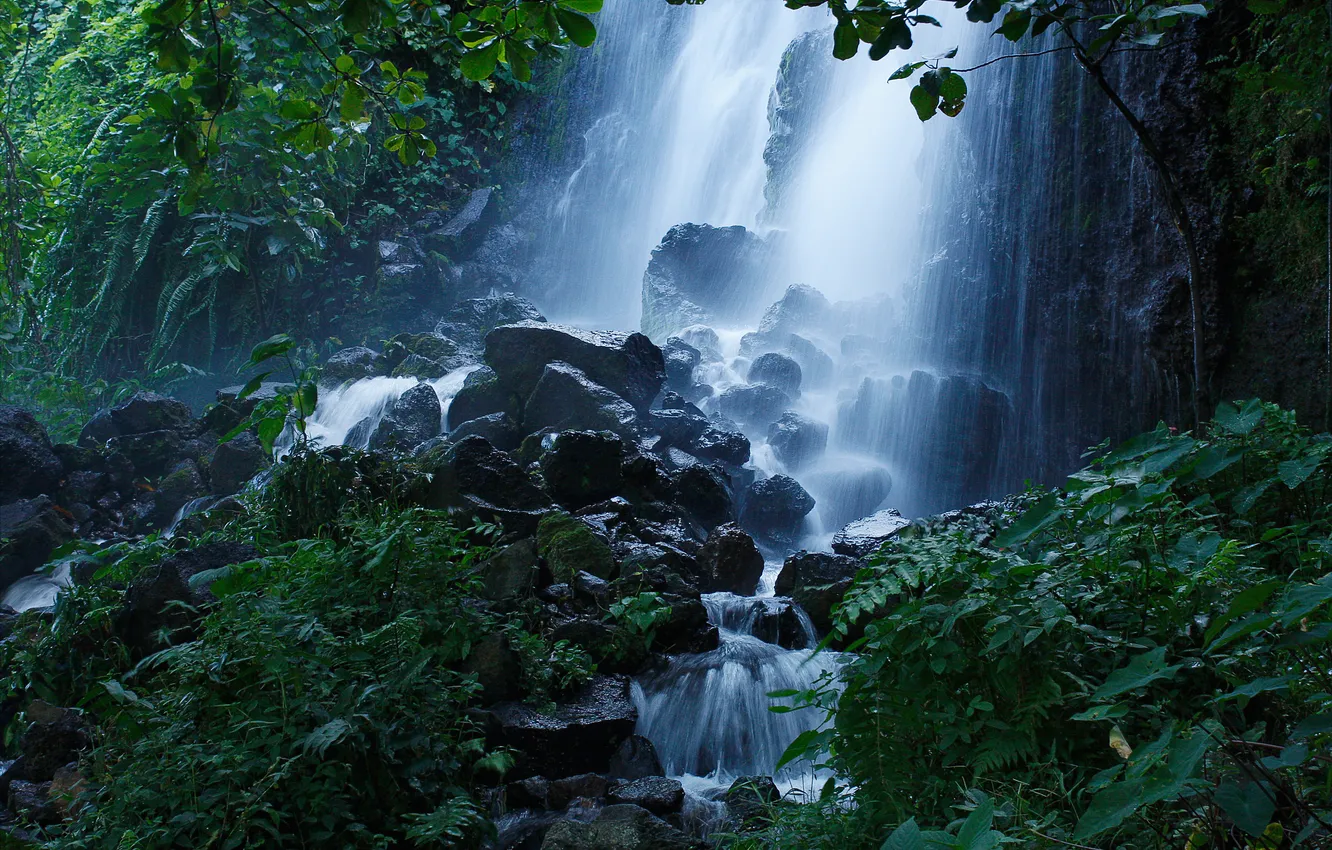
{"points": [[816, 582], [30, 466], [497, 668], [578, 736], [147, 411], [635, 759], [474, 470], [424, 356], [482, 394], [32, 801], [777, 621], [657, 794], [471, 320], [681, 361], [850, 492], [565, 398], [701, 274], [569, 547], [55, 736], [30, 530], [146, 611], [704, 493], [511, 572], [776, 370], [865, 536], [583, 467], [629, 365], [619, 827], [100, 428], [775, 508], [754, 406], [181, 485], [797, 441], [687, 629], [678, 427], [730, 561], [750, 799], [152, 453], [498, 429], [801, 307], [704, 340], [816, 367], [719, 443], [235, 462], [413, 419], [349, 364]]}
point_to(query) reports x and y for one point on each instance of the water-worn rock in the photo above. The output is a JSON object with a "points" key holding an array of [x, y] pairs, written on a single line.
{"points": [[498, 429], [576, 737], [750, 798], [511, 572], [687, 629], [800, 308], [619, 827], [816, 582], [147, 411], [473, 467], [181, 485], [55, 737], [29, 531], [755, 406], [816, 367], [100, 428], [471, 320], [570, 547], [235, 462], [797, 440], [565, 398], [730, 561], [152, 453], [413, 419], [348, 364], [775, 507], [777, 621], [701, 274], [635, 759], [723, 444], [681, 361], [705, 495], [848, 493], [704, 340], [31, 801], [678, 427], [629, 365], [30, 466], [583, 467], [657, 794], [776, 370], [145, 612], [864, 536], [482, 394], [497, 668]]}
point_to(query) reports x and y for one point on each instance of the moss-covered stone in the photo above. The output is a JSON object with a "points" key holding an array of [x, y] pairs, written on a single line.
{"points": [[570, 547]]}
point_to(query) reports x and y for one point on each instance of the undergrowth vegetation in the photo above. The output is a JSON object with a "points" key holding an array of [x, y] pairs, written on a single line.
{"points": [[1140, 660]]}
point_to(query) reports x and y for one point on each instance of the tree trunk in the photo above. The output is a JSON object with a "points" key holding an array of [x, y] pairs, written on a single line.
{"points": [[1327, 119], [1179, 214]]}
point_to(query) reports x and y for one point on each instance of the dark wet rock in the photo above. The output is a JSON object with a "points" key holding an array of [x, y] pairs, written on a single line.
{"points": [[348, 364], [29, 531], [678, 427], [147, 411], [587, 786], [754, 406], [701, 274], [413, 419], [100, 428], [816, 367], [530, 793], [145, 612], [635, 759], [705, 495], [777, 621], [800, 308], [619, 827], [750, 798], [704, 340], [849, 493], [775, 508], [235, 462], [463, 227], [474, 468], [816, 582], [681, 361], [497, 668], [583, 467], [153, 453], [66, 786], [31, 801], [721, 444], [579, 736], [498, 429], [776, 370], [797, 440], [629, 365], [657, 794], [798, 100], [730, 561], [565, 398], [570, 547], [471, 320], [181, 485], [55, 737], [864, 536], [687, 630], [30, 466], [358, 435], [482, 394], [511, 572]]}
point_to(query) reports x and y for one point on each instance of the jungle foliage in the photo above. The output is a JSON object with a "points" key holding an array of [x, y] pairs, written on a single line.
{"points": [[1137, 660]]}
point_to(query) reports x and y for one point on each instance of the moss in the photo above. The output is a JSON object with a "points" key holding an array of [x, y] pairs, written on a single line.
{"points": [[570, 547]]}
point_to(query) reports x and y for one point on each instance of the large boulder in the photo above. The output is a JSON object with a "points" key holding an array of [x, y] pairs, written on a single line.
{"points": [[730, 561], [413, 419], [635, 759], [146, 612], [471, 320], [755, 406], [498, 429], [565, 398], [750, 799], [681, 361], [864, 536], [797, 441], [816, 582], [657, 794], [583, 467], [704, 340], [497, 667], [348, 364], [705, 494], [30, 530], [576, 737], [235, 462], [510, 573], [775, 508], [183, 484], [30, 466], [701, 274], [476, 474], [147, 411], [802, 307], [629, 365], [481, 395], [816, 367], [570, 547], [152, 453], [776, 370], [619, 827], [849, 492], [723, 444]]}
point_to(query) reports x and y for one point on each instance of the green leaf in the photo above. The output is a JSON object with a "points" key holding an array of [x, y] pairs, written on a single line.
{"points": [[1239, 420], [1038, 517], [479, 64], [1250, 806], [976, 828], [1141, 671], [318, 741], [119, 693], [1293, 473], [587, 7], [1258, 686], [1102, 712], [846, 41], [906, 71], [905, 837], [344, 64], [1246, 602], [274, 346], [252, 386], [926, 104], [1109, 808], [581, 30], [1301, 600], [1318, 724], [1015, 24]]}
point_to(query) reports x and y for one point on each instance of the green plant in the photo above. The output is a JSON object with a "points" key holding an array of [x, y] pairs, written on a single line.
{"points": [[637, 618]]}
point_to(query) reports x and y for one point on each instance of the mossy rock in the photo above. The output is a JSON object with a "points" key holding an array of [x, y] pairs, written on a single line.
{"points": [[570, 547]]}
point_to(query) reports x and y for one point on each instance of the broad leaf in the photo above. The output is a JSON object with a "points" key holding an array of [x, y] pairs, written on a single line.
{"points": [[1250, 805], [905, 837], [1141, 671]]}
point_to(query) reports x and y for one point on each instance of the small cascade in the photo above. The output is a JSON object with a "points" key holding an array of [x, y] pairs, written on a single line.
{"points": [[709, 714], [38, 590], [349, 414]]}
